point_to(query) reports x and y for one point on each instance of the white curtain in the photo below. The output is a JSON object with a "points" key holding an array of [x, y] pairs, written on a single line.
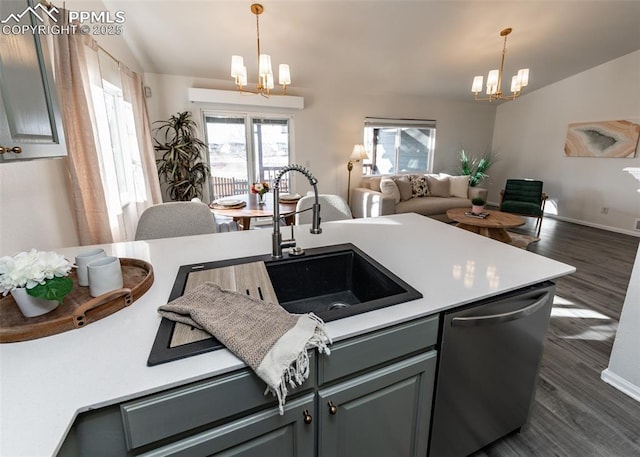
{"points": [[85, 182], [112, 171], [147, 187]]}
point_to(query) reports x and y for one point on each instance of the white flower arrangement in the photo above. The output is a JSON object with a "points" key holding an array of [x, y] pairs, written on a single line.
{"points": [[43, 274], [260, 188]]}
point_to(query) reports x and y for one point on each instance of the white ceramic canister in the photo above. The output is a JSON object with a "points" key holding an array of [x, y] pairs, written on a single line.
{"points": [[83, 259], [105, 275]]}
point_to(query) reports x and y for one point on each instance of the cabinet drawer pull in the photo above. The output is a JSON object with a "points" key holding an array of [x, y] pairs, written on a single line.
{"points": [[333, 409], [307, 416], [15, 149]]}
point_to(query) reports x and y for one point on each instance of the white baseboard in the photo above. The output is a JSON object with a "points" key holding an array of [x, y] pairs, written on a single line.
{"points": [[598, 226], [621, 384], [576, 221]]}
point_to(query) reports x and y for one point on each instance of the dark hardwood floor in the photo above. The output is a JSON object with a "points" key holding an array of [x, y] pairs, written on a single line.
{"points": [[575, 412]]}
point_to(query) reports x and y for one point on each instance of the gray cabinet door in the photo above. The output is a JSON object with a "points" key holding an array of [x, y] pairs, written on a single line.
{"points": [[383, 413], [263, 434], [29, 113]]}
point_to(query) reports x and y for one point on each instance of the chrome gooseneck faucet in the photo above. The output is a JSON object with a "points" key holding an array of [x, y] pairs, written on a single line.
{"points": [[276, 241]]}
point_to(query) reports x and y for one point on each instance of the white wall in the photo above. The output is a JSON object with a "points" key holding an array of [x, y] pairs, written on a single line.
{"points": [[624, 365], [34, 206], [530, 134], [332, 122]]}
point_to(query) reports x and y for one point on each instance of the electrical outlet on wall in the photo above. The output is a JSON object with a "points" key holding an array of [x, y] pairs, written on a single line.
{"points": [[637, 226], [604, 210]]}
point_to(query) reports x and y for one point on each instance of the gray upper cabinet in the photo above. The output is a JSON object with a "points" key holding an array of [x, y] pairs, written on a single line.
{"points": [[30, 120]]}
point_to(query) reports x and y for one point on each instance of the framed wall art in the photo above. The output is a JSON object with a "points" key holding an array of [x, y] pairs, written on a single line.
{"points": [[611, 139]]}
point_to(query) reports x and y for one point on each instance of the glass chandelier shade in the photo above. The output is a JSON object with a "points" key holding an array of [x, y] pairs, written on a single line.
{"points": [[265, 70], [495, 77]]}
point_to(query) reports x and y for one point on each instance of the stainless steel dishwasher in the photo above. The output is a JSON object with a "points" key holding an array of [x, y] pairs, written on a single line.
{"points": [[490, 357]]}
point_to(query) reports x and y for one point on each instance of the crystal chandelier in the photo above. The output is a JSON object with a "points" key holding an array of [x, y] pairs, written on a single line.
{"points": [[265, 72], [494, 79]]}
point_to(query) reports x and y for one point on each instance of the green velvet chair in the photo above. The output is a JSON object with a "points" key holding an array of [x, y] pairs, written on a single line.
{"points": [[524, 197]]}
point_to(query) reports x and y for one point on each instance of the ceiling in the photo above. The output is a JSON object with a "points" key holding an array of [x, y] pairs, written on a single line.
{"points": [[420, 47]]}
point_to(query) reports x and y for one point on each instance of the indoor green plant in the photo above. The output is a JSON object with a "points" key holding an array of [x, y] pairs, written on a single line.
{"points": [[477, 205], [475, 168], [37, 280], [181, 166]]}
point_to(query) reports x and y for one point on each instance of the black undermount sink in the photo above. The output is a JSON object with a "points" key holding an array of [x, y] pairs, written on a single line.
{"points": [[332, 282], [336, 282]]}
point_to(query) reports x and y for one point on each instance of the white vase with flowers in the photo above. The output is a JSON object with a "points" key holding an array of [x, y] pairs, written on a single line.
{"points": [[37, 280], [260, 188]]}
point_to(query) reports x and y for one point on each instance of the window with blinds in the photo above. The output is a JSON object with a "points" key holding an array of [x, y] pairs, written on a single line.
{"points": [[399, 145]]}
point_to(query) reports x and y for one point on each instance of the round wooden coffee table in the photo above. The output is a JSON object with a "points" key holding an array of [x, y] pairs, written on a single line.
{"points": [[493, 226]]}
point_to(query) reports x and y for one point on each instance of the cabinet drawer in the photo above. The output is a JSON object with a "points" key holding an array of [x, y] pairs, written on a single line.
{"points": [[184, 408], [360, 353], [265, 433]]}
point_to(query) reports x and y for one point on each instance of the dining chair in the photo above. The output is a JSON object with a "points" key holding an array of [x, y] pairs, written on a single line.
{"points": [[168, 220], [332, 208], [524, 197]]}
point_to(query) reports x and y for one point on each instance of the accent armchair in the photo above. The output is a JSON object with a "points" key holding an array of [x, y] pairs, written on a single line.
{"points": [[332, 208], [524, 197]]}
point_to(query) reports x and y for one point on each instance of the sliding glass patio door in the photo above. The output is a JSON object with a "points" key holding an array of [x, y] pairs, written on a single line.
{"points": [[243, 149]]}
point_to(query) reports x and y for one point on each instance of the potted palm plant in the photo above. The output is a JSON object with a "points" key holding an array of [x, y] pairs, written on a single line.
{"points": [[475, 168], [181, 167]]}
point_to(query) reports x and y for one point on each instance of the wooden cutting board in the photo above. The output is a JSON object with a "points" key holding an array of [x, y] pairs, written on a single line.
{"points": [[78, 308], [248, 278]]}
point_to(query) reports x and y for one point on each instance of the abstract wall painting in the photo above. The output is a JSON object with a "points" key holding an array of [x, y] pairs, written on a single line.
{"points": [[602, 139]]}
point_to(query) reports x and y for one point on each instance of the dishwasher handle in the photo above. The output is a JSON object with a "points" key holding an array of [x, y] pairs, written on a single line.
{"points": [[477, 321]]}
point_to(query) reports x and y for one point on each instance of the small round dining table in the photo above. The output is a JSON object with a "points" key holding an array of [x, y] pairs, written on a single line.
{"points": [[252, 209]]}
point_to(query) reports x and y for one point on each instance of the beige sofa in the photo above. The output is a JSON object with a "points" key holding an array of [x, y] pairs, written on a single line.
{"points": [[430, 195]]}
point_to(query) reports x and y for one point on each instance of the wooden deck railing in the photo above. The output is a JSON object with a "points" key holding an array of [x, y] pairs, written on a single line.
{"points": [[225, 187]]}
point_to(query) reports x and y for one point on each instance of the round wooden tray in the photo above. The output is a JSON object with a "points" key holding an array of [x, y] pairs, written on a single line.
{"points": [[78, 308]]}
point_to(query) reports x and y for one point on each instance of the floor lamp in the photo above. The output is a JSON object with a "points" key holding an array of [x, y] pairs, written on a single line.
{"points": [[359, 153]]}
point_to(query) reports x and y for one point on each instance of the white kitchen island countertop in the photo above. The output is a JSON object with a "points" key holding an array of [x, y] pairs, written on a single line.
{"points": [[46, 383]]}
